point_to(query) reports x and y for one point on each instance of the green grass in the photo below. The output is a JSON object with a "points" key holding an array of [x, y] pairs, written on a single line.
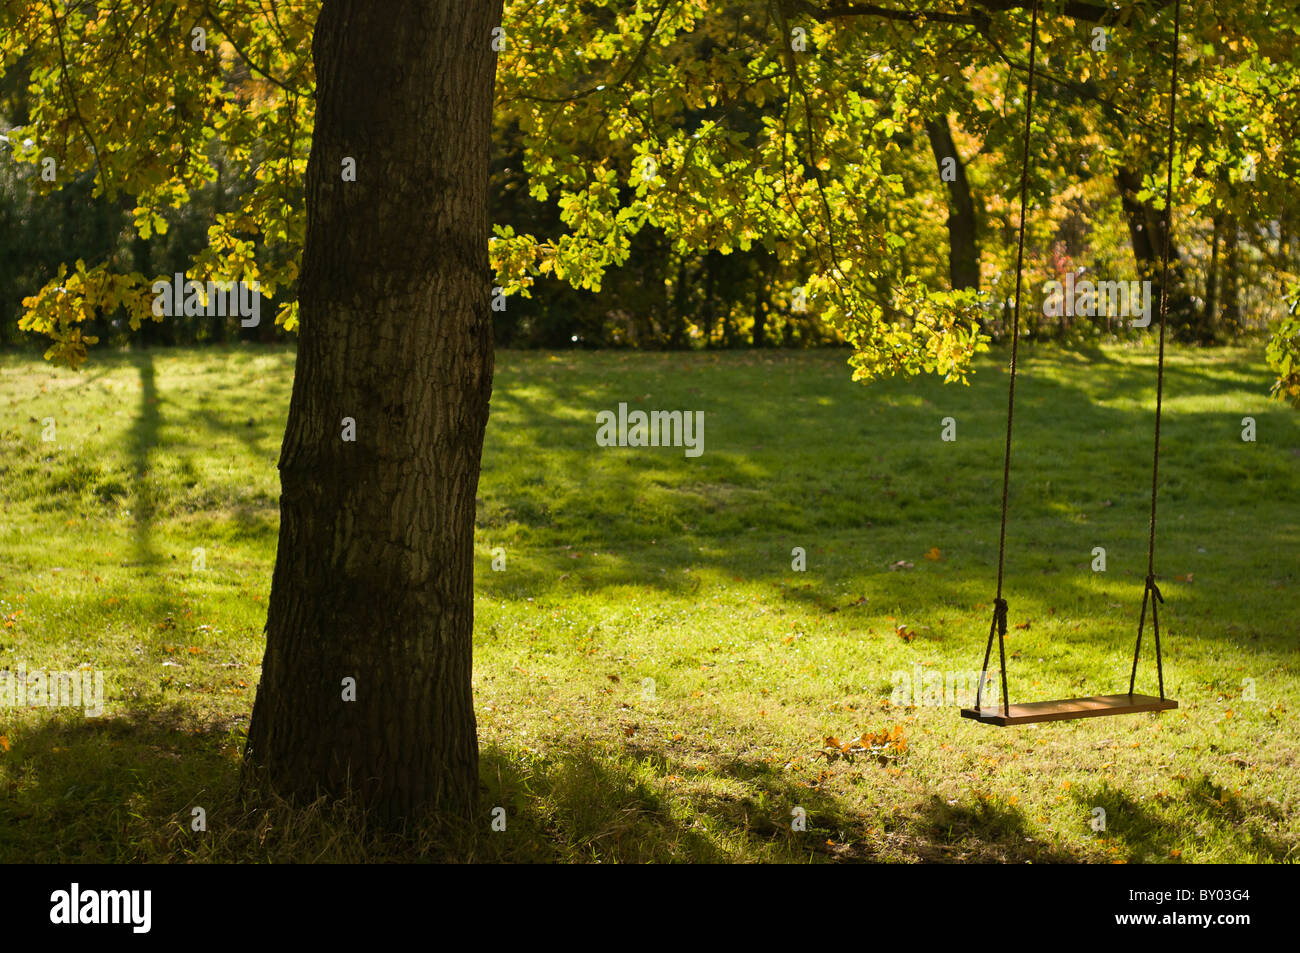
{"points": [[624, 565]]}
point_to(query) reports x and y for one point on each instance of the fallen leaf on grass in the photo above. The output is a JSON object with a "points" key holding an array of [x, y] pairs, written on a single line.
{"points": [[934, 555], [883, 744]]}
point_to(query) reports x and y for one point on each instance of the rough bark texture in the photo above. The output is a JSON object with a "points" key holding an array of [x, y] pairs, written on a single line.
{"points": [[373, 575], [963, 234]]}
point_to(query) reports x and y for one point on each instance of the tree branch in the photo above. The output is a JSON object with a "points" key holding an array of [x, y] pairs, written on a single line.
{"points": [[839, 11], [70, 93], [637, 60], [1074, 9], [264, 73]]}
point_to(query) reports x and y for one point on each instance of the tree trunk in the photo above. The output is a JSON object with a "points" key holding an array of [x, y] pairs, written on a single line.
{"points": [[374, 571], [661, 317], [218, 326], [710, 268], [761, 301], [677, 337], [787, 332], [963, 235], [1279, 270], [1146, 228], [1210, 310], [1231, 277], [152, 333]]}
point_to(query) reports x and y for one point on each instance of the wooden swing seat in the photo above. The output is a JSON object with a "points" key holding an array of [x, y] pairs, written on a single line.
{"points": [[1066, 709]]}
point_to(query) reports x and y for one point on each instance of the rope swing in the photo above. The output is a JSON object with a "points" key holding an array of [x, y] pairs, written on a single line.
{"points": [[1093, 705]]}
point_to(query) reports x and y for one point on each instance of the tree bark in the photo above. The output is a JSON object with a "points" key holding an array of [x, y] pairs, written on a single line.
{"points": [[218, 326], [677, 336], [1231, 277], [1210, 310], [762, 274], [374, 571], [710, 269], [963, 233], [152, 333], [1146, 228]]}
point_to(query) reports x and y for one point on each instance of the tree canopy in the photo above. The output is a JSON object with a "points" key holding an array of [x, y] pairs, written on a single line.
{"points": [[810, 132]]}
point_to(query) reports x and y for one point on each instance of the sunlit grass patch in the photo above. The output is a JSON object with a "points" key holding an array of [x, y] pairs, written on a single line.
{"points": [[655, 679]]}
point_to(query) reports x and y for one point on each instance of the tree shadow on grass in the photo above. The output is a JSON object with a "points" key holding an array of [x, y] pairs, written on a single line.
{"points": [[107, 789], [575, 806], [124, 788], [643, 805], [986, 831], [654, 532], [142, 441], [1151, 830]]}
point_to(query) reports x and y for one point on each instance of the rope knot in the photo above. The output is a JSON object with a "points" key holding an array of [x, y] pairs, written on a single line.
{"points": [[1000, 615], [1153, 588]]}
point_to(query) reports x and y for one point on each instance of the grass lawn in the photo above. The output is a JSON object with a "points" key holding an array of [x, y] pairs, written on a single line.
{"points": [[654, 681]]}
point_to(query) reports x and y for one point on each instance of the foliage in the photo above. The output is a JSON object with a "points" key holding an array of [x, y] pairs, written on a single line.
{"points": [[1284, 359], [122, 90], [787, 134]]}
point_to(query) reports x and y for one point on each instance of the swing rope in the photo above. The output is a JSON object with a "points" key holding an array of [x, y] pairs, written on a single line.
{"points": [[1151, 594], [999, 623]]}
